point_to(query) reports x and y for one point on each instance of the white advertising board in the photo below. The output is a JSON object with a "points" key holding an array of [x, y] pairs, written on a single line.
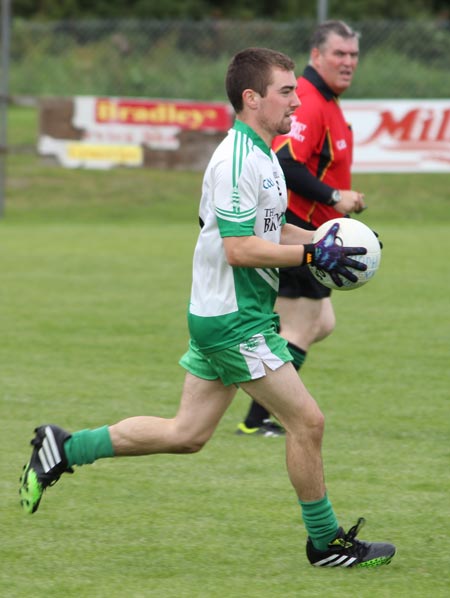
{"points": [[389, 135], [400, 135]]}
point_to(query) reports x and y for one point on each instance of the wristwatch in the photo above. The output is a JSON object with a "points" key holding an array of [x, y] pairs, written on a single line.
{"points": [[335, 197]]}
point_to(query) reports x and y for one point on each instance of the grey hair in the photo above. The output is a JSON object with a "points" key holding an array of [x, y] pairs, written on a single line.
{"points": [[321, 34]]}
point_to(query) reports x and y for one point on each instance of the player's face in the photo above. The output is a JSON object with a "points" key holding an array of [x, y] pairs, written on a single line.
{"points": [[277, 106], [336, 61]]}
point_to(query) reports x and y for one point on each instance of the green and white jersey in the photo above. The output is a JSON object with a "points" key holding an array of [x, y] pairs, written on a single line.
{"points": [[243, 194]]}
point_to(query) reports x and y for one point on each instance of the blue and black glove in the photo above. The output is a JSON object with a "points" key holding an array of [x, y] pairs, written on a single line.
{"points": [[331, 257]]}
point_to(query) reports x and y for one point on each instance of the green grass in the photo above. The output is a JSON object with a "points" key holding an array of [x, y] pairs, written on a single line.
{"points": [[95, 282]]}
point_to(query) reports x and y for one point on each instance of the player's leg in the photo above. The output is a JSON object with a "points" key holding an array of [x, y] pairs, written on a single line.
{"points": [[202, 405], [306, 316], [305, 321], [305, 309], [283, 394], [56, 451]]}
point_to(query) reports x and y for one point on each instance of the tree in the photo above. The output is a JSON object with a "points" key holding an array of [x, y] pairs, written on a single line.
{"points": [[355, 10]]}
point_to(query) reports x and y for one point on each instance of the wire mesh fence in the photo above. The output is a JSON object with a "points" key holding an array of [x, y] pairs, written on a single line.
{"points": [[188, 59]]}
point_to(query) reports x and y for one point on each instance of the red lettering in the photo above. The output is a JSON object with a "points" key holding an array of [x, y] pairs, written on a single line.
{"points": [[444, 130], [400, 130], [427, 123], [415, 125], [187, 115]]}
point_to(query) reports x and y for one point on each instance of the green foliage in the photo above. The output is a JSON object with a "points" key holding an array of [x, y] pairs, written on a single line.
{"points": [[377, 79], [95, 280], [236, 9], [384, 9], [188, 59]]}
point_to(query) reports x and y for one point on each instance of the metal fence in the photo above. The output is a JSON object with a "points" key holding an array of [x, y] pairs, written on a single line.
{"points": [[188, 59]]}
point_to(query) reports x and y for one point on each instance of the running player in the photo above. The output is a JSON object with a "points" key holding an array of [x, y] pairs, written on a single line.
{"points": [[243, 239]]}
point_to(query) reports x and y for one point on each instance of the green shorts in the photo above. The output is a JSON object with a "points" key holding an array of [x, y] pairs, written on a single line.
{"points": [[239, 363]]}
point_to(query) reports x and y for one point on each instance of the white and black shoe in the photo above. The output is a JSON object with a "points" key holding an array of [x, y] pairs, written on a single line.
{"points": [[47, 463], [346, 551], [268, 429]]}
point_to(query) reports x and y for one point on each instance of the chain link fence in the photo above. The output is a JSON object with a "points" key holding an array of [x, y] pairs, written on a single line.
{"points": [[188, 59]]}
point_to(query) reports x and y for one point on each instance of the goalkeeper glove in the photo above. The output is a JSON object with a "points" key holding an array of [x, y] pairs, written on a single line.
{"points": [[331, 257]]}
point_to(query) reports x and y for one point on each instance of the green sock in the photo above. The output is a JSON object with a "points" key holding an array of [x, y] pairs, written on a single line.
{"points": [[320, 522], [86, 446], [298, 354]]}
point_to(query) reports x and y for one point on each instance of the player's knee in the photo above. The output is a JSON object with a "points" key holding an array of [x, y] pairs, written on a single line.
{"points": [[308, 424], [328, 324], [314, 424], [193, 446], [323, 327], [189, 443]]}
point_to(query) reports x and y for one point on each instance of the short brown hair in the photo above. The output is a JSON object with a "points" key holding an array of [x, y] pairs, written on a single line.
{"points": [[252, 69]]}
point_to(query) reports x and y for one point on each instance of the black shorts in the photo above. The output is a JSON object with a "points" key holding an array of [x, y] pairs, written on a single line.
{"points": [[298, 281]]}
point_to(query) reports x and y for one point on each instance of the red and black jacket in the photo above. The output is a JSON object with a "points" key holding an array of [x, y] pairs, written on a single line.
{"points": [[316, 155]]}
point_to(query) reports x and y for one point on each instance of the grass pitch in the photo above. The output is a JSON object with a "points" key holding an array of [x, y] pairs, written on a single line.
{"points": [[95, 284]]}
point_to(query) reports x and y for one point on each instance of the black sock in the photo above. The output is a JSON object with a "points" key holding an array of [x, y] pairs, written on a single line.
{"points": [[256, 415], [298, 354]]}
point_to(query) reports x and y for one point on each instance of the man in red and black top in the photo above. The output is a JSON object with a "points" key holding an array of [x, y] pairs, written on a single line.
{"points": [[316, 157]]}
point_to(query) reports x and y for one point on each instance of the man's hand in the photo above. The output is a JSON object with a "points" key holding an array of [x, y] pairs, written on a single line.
{"points": [[350, 202], [330, 256]]}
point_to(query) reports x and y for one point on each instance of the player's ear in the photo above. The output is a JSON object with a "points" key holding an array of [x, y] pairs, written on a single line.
{"points": [[250, 98], [315, 55]]}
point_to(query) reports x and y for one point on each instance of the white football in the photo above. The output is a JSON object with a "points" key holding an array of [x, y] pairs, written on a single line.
{"points": [[351, 233]]}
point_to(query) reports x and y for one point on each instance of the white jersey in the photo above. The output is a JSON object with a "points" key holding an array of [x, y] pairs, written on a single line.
{"points": [[243, 194]]}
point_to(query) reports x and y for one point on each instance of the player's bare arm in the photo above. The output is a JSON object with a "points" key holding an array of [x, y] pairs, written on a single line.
{"points": [[254, 252], [294, 235]]}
